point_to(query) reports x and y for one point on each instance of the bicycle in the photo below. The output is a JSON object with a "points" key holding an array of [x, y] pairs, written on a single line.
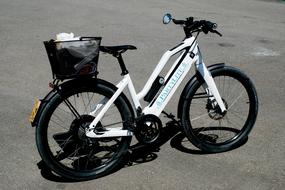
{"points": [[84, 126]]}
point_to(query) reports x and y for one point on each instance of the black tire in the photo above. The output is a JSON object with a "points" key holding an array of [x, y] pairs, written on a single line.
{"points": [[61, 139], [204, 124]]}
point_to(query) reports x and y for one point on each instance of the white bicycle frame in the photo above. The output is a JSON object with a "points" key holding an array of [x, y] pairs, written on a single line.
{"points": [[190, 55]]}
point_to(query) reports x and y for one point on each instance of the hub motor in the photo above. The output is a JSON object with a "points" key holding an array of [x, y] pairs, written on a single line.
{"points": [[75, 136]]}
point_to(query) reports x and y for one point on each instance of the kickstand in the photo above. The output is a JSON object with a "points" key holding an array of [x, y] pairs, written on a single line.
{"points": [[172, 117]]}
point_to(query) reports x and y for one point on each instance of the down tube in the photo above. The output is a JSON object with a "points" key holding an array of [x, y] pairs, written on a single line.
{"points": [[167, 92]]}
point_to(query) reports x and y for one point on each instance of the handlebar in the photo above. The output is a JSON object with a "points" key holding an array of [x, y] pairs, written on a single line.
{"points": [[191, 26]]}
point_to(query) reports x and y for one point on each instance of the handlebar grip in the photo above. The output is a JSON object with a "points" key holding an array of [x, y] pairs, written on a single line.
{"points": [[216, 32], [178, 21]]}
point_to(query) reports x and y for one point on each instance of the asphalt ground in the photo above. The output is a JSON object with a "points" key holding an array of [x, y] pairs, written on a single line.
{"points": [[253, 41]]}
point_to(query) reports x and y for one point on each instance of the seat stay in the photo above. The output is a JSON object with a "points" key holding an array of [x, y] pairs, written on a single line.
{"points": [[112, 132], [121, 86]]}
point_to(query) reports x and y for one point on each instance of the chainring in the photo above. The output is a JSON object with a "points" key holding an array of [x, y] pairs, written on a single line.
{"points": [[148, 129]]}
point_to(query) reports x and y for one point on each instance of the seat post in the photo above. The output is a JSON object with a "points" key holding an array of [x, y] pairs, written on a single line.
{"points": [[118, 55]]}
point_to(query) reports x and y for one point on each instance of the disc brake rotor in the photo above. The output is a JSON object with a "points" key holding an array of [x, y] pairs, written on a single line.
{"points": [[214, 111]]}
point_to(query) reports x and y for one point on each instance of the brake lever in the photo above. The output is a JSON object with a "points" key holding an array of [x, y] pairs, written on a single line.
{"points": [[216, 32]]}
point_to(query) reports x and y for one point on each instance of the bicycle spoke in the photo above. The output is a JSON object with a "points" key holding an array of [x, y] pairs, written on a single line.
{"points": [[232, 123], [59, 118], [89, 103], [199, 117], [237, 115], [59, 124], [63, 146], [236, 100], [64, 111], [238, 112], [73, 154]]}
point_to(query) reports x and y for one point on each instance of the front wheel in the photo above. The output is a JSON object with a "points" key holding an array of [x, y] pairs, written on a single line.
{"points": [[60, 134], [206, 126]]}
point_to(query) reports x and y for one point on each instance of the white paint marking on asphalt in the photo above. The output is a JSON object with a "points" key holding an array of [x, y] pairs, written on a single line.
{"points": [[262, 51]]}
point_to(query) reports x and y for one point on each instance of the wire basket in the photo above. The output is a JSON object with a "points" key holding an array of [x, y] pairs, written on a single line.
{"points": [[76, 58]]}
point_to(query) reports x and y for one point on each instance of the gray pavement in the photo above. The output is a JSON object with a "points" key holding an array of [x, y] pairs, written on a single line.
{"points": [[253, 41]]}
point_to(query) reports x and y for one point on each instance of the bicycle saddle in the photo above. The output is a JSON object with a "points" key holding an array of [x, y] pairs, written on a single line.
{"points": [[116, 49]]}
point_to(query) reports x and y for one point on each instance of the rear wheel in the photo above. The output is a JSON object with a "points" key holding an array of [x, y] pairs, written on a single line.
{"points": [[61, 138], [206, 126]]}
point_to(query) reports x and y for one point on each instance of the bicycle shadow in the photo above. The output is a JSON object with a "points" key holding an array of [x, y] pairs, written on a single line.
{"points": [[140, 153], [173, 132]]}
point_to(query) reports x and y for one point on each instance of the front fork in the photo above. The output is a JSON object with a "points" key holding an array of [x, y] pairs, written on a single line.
{"points": [[210, 86]]}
